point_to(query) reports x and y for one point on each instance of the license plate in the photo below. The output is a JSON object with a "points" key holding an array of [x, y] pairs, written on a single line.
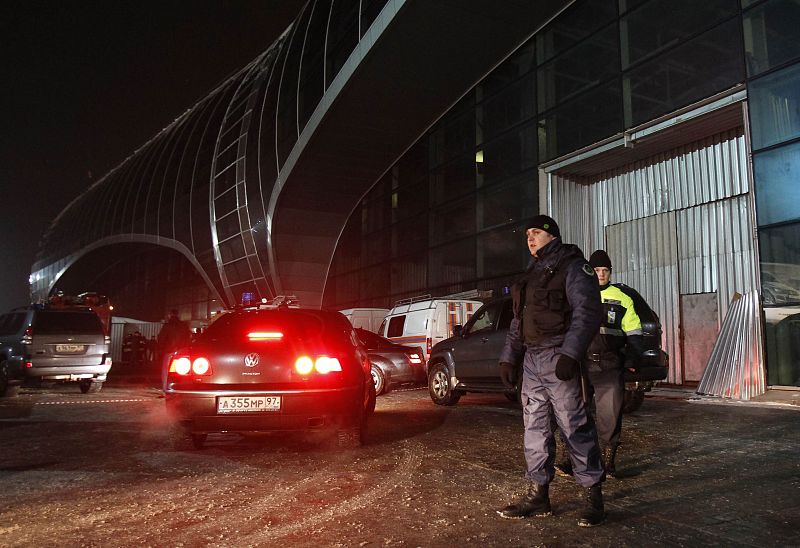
{"points": [[69, 348], [248, 404]]}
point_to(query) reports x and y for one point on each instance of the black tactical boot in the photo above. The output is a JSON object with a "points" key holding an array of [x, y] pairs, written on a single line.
{"points": [[609, 454], [595, 512], [536, 502]]}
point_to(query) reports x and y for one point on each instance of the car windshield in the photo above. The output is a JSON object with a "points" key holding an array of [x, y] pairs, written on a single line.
{"points": [[306, 328], [49, 322]]}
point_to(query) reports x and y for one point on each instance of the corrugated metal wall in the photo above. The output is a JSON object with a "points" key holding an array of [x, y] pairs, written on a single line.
{"points": [[677, 223]]}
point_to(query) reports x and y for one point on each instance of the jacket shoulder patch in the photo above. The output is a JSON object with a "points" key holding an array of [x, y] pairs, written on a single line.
{"points": [[587, 269]]}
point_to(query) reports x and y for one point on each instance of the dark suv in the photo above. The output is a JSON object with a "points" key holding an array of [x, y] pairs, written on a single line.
{"points": [[272, 369], [469, 361], [50, 343]]}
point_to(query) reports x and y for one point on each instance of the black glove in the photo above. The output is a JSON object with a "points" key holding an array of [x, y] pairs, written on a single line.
{"points": [[566, 368], [507, 375]]}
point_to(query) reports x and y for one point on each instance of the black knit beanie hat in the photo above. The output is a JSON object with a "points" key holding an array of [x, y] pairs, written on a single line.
{"points": [[545, 223], [600, 258]]}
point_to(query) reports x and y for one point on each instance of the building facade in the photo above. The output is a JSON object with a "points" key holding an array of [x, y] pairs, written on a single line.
{"points": [[385, 149]]}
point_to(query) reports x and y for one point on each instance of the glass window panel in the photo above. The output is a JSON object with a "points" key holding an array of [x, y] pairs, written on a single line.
{"points": [[454, 179], [225, 203], [228, 226], [375, 280], [231, 249], [775, 107], [662, 24], [410, 236], [582, 67], [509, 202], [454, 220], [771, 35], [413, 166], [578, 22], [503, 252], [452, 139], [516, 66], [708, 64], [453, 263], [376, 247], [375, 214], [777, 173], [508, 155], [409, 201], [508, 108], [780, 295], [410, 274], [586, 120]]}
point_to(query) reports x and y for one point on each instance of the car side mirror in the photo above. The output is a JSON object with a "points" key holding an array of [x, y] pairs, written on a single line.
{"points": [[458, 330]]}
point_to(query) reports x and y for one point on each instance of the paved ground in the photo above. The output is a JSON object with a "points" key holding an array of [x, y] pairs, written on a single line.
{"points": [[100, 470]]}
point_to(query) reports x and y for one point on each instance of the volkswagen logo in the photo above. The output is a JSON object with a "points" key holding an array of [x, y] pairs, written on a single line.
{"points": [[251, 360]]}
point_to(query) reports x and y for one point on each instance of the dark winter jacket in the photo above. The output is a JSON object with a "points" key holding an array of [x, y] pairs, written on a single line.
{"points": [[557, 263]]}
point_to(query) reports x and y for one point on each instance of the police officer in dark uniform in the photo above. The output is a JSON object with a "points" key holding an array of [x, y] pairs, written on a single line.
{"points": [[621, 330], [556, 315]]}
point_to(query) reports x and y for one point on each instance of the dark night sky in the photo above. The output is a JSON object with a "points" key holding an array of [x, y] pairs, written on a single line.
{"points": [[84, 84]]}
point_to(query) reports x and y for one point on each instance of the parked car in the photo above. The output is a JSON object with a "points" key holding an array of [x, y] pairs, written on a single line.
{"points": [[272, 369], [391, 364], [468, 361], [42, 342]]}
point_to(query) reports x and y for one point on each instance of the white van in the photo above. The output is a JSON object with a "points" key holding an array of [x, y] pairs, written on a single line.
{"points": [[366, 318], [422, 322]]}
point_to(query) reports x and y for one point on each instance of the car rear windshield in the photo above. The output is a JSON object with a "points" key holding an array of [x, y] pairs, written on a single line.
{"points": [[313, 329], [52, 322]]}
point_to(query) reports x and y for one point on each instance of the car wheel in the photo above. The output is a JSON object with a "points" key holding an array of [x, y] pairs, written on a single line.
{"points": [[439, 386], [632, 400], [379, 379], [88, 386]]}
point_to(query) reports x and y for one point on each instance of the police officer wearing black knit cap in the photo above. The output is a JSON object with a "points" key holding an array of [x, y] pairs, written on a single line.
{"points": [[604, 361], [556, 315]]}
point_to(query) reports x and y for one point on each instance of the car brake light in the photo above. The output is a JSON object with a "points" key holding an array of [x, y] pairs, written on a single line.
{"points": [[182, 365], [323, 364], [428, 343], [106, 339], [415, 358], [28, 365], [264, 336], [27, 338]]}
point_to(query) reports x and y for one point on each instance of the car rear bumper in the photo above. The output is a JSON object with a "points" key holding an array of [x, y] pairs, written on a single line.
{"points": [[300, 411], [62, 370]]}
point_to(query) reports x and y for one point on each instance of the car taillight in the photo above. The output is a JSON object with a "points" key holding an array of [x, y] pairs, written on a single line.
{"points": [[428, 343], [27, 338], [415, 358], [182, 365], [322, 364], [107, 339], [265, 336]]}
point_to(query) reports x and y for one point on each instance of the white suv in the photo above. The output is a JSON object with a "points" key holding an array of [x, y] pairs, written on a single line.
{"points": [[51, 343]]}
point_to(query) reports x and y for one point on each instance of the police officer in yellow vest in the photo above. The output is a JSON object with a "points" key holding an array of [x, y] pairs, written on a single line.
{"points": [[621, 329]]}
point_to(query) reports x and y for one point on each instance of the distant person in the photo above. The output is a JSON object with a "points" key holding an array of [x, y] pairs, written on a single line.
{"points": [[620, 335], [556, 315], [173, 335]]}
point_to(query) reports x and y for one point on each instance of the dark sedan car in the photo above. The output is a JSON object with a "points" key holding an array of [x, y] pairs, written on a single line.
{"points": [[391, 364], [268, 369]]}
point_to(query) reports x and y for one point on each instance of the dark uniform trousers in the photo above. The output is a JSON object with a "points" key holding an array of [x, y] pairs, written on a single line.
{"points": [[608, 387], [541, 391]]}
